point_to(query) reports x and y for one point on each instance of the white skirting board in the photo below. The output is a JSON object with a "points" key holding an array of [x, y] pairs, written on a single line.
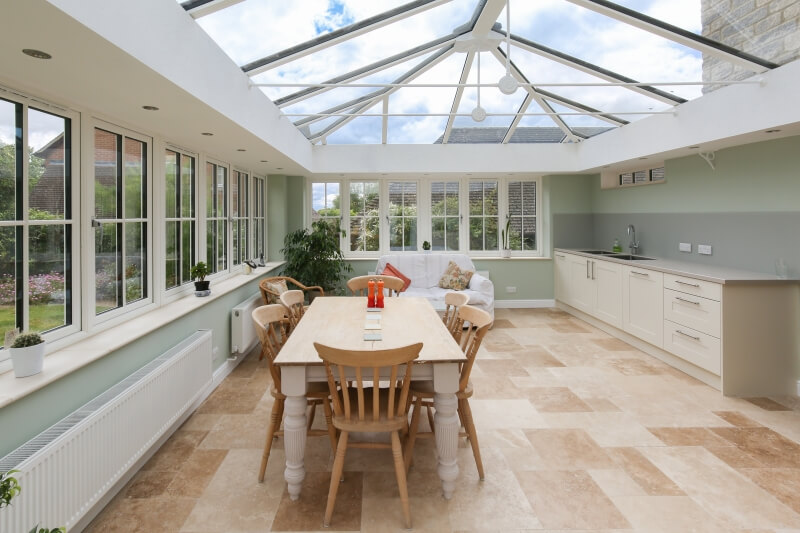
{"points": [[523, 304]]}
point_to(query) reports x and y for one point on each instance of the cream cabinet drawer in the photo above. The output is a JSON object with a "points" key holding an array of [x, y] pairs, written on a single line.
{"points": [[693, 346], [698, 313], [705, 289]]}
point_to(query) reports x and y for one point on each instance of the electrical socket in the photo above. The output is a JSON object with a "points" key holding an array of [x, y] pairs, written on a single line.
{"points": [[511, 290], [685, 247], [704, 249]]}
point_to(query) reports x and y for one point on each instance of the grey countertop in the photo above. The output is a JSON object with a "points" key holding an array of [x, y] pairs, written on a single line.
{"points": [[715, 274]]}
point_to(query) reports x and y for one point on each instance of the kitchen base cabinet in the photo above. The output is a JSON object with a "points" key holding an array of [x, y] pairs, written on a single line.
{"points": [[642, 304]]}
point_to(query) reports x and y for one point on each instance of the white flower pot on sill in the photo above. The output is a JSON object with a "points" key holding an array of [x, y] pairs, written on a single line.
{"points": [[505, 252], [27, 361]]}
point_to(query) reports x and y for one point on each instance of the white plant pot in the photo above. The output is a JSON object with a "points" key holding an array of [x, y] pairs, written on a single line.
{"points": [[27, 361], [505, 252]]}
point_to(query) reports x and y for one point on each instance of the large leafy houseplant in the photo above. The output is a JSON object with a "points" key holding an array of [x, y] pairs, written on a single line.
{"points": [[315, 257]]}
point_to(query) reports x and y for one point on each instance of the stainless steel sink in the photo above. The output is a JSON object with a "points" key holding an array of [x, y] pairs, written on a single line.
{"points": [[629, 257], [596, 252]]}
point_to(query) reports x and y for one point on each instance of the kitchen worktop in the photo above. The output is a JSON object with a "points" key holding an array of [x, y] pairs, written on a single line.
{"points": [[715, 274]]}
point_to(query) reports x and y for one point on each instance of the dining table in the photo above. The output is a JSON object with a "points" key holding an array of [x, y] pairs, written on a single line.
{"points": [[341, 322]]}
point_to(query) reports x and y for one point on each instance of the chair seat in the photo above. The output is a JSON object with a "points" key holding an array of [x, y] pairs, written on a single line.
{"points": [[424, 389], [368, 424], [316, 389]]}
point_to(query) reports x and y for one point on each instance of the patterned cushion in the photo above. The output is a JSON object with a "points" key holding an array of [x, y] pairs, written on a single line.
{"points": [[455, 278], [390, 270], [276, 287]]}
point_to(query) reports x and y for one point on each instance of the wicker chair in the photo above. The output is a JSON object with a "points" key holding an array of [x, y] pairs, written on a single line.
{"points": [[270, 296]]}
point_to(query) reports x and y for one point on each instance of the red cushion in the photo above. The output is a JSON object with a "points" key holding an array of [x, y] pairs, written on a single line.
{"points": [[390, 270]]}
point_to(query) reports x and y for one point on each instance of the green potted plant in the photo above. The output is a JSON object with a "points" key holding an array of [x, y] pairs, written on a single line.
{"points": [[505, 240], [27, 354], [199, 272], [426, 246], [315, 257], [9, 487]]}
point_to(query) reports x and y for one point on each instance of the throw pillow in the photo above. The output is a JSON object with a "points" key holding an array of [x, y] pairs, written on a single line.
{"points": [[455, 278], [390, 270], [276, 287]]}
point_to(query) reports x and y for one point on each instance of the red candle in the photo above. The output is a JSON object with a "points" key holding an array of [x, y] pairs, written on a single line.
{"points": [[370, 293], [380, 293]]}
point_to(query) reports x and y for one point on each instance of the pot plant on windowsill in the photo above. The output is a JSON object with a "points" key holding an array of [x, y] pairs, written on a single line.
{"points": [[426, 247], [199, 272], [27, 354], [505, 240]]}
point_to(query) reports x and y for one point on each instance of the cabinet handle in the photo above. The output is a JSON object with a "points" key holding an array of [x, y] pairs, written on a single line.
{"points": [[559, 255], [592, 269], [587, 269], [695, 285], [687, 301], [640, 273], [687, 335]]}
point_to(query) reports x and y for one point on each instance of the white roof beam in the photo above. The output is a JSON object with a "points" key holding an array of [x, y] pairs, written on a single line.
{"points": [[341, 35], [514, 123], [676, 34], [201, 8], [457, 98], [490, 11]]}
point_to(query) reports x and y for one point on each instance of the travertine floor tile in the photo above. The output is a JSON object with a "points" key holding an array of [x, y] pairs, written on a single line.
{"points": [[569, 449]]}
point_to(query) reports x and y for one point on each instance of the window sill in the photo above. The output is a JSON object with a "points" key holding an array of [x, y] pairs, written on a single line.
{"points": [[64, 361]]}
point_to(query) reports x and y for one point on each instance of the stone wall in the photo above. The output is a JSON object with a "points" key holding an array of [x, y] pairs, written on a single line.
{"points": [[769, 29]]}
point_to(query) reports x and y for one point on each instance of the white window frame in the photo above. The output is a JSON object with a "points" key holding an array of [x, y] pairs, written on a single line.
{"points": [[248, 220], [75, 196], [203, 246], [428, 210], [504, 211], [384, 214], [382, 210], [112, 316], [254, 220], [185, 288]]}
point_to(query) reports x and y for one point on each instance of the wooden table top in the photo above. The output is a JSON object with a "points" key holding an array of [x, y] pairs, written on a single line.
{"points": [[339, 321]]}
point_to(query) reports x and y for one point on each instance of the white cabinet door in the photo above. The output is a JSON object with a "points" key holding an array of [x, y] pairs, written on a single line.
{"points": [[561, 268], [608, 284], [643, 304], [581, 286]]}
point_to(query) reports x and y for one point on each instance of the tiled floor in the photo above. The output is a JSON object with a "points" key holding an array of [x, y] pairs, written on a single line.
{"points": [[578, 431]]}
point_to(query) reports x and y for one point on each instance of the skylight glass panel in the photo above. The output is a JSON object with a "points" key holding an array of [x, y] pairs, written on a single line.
{"points": [[360, 130]]}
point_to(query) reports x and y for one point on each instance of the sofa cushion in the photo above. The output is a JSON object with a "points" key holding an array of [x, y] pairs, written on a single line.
{"points": [[455, 278], [390, 270]]}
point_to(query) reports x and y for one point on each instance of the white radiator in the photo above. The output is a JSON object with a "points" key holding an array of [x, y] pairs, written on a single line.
{"points": [[243, 334], [69, 467]]}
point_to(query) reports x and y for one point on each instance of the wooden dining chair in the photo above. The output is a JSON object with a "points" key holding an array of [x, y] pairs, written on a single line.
{"points": [[476, 323], [391, 285], [271, 288], [453, 302], [270, 326], [293, 302], [360, 409]]}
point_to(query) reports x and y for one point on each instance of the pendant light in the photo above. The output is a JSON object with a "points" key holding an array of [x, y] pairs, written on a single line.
{"points": [[508, 84], [479, 113]]}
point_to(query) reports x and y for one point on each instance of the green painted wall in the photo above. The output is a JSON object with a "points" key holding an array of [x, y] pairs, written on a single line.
{"points": [[758, 177], [27, 417], [277, 225]]}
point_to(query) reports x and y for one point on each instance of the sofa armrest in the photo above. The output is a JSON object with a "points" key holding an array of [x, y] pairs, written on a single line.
{"points": [[482, 285]]}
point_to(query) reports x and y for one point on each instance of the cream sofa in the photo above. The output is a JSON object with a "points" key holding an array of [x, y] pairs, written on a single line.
{"points": [[425, 270]]}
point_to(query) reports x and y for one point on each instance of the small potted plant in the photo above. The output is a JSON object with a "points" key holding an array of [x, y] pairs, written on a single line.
{"points": [[505, 240], [426, 246], [27, 354], [199, 272]]}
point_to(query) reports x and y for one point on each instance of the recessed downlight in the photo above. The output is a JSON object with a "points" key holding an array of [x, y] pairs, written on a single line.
{"points": [[694, 147], [771, 131], [149, 108], [207, 134], [38, 54], [264, 161], [278, 168], [642, 158], [241, 150]]}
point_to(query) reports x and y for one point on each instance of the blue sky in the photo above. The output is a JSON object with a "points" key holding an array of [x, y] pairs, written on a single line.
{"points": [[256, 28]]}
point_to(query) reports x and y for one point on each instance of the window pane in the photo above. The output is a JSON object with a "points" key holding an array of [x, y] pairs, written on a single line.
{"points": [[237, 177], [9, 286], [134, 178], [515, 198], [437, 198], [490, 198], [451, 206], [107, 266], [211, 177], [476, 198], [171, 184], [47, 288], [47, 175], [187, 186], [475, 233], [522, 215], [452, 234], [437, 233], [364, 221], [106, 172], [187, 250], [10, 152], [491, 233], [396, 234], [172, 262], [135, 249]]}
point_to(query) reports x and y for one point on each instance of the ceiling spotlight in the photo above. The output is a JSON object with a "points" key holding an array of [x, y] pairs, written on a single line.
{"points": [[694, 147], [264, 161], [771, 131], [207, 133], [38, 54], [642, 158], [149, 108], [278, 168], [241, 150], [508, 84]]}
